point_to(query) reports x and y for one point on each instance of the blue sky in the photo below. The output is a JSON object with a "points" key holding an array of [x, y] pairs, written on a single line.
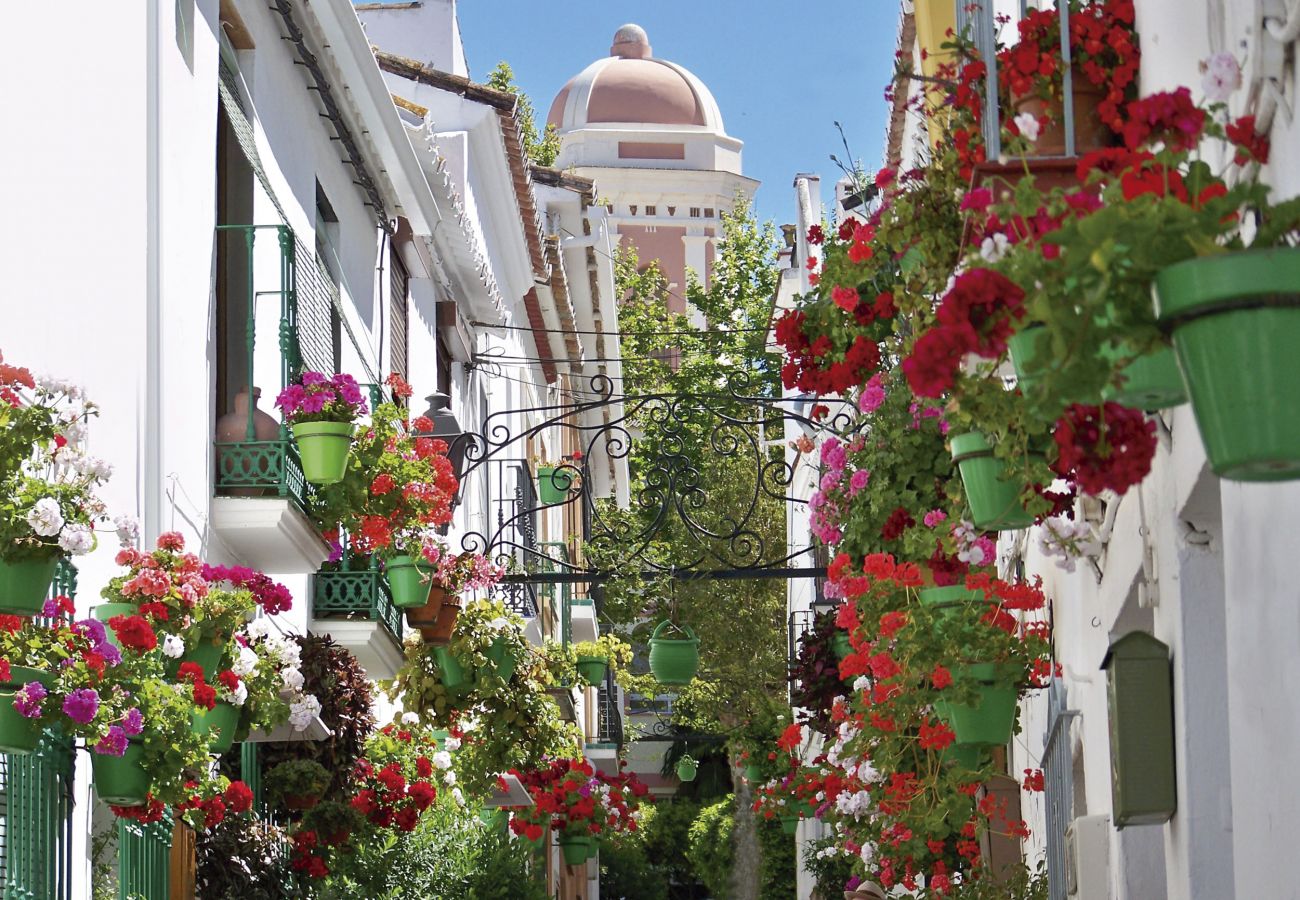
{"points": [[781, 73]]}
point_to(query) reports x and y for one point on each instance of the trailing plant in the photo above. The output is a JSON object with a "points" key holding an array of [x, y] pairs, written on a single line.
{"points": [[709, 850], [815, 674]]}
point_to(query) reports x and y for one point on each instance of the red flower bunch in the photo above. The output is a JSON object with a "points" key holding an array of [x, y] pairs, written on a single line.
{"points": [[387, 798], [204, 694], [1168, 116], [568, 794], [811, 365], [1109, 446], [977, 315], [1251, 146], [134, 633]]}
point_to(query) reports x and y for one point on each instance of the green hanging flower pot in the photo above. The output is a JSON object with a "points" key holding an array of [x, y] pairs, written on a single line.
{"points": [[19, 734], [25, 584], [324, 449], [121, 780], [841, 646], [1148, 383], [574, 848], [500, 655], [219, 724], [789, 824], [453, 673], [994, 503], [991, 719], [206, 653], [1234, 319], [591, 669], [106, 611], [553, 484], [408, 581], [674, 660], [687, 768], [1031, 354], [950, 598], [593, 848], [753, 773]]}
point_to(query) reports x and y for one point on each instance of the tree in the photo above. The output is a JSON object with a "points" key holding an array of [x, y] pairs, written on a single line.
{"points": [[541, 149]]}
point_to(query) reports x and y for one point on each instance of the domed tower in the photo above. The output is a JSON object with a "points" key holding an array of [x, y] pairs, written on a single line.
{"points": [[651, 135]]}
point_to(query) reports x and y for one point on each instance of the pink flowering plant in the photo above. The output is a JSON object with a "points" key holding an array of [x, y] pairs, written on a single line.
{"points": [[49, 505], [322, 398]]}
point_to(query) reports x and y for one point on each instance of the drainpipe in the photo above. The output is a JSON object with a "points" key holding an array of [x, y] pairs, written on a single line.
{"points": [[152, 426]]}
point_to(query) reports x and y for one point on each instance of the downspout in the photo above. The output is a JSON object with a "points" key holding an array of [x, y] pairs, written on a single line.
{"points": [[150, 467]]}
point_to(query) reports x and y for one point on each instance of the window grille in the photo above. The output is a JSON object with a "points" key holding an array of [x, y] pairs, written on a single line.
{"points": [[1058, 783], [144, 859]]}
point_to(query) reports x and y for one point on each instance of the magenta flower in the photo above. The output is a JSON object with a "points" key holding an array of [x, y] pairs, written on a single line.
{"points": [[133, 722], [114, 743], [81, 705], [934, 517], [28, 699]]}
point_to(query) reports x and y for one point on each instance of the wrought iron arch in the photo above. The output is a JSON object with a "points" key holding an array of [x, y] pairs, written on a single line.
{"points": [[735, 422]]}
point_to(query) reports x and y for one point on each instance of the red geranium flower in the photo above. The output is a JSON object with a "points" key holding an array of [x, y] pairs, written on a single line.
{"points": [[134, 632]]}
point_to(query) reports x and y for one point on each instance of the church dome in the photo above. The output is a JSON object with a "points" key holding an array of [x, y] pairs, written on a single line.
{"points": [[631, 87]]}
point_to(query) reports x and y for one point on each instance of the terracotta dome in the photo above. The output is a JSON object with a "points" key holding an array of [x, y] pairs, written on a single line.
{"points": [[631, 87]]}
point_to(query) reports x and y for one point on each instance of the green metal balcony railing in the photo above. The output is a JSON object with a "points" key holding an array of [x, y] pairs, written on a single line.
{"points": [[252, 464], [144, 859], [361, 594]]}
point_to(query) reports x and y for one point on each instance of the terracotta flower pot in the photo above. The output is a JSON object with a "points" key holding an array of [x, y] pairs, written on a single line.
{"points": [[436, 619], [1090, 132]]}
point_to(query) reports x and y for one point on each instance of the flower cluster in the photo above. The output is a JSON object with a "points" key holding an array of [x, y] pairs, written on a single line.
{"points": [[271, 596], [1104, 447], [320, 398], [572, 796]]}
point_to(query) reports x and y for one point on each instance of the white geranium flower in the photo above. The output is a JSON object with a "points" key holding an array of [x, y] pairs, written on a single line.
{"points": [[246, 663], [76, 539], [994, 247], [45, 517], [128, 530], [292, 679], [452, 744], [258, 628], [458, 796], [1222, 76], [174, 647], [301, 712], [239, 695], [441, 760], [410, 718], [92, 467], [1027, 125], [449, 778]]}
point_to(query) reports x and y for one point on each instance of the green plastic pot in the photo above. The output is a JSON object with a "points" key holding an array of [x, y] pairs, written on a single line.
{"points": [[841, 646], [500, 655], [453, 673], [963, 757], [753, 774], [24, 585], [593, 848], [121, 780], [789, 824], [687, 769], [994, 503], [950, 598], [991, 719], [106, 611], [574, 848], [553, 484], [19, 734], [407, 581], [219, 724], [591, 669], [1148, 383], [1029, 346], [205, 653], [674, 660], [324, 449], [1235, 323]]}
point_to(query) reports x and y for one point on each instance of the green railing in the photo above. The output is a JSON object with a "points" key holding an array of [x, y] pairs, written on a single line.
{"points": [[360, 594], [551, 563], [252, 464], [144, 859]]}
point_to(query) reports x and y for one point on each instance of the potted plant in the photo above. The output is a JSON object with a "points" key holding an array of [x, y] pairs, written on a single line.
{"points": [[556, 480], [674, 659], [687, 768], [579, 803], [320, 410], [594, 657], [452, 575], [297, 784], [48, 481]]}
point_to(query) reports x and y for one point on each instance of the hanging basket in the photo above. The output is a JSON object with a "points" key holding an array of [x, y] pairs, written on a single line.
{"points": [[1148, 383], [994, 503], [501, 657], [453, 673], [789, 824], [219, 724], [963, 757], [674, 660], [205, 653], [121, 780], [436, 619], [25, 584], [553, 484], [591, 669], [949, 599], [324, 449], [574, 848], [408, 581], [991, 719], [687, 769], [19, 734], [1235, 323]]}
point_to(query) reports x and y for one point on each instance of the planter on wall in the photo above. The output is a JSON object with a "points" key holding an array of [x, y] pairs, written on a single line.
{"points": [[1234, 319], [436, 619], [19, 734], [674, 660], [553, 484], [994, 502], [991, 719], [574, 848], [25, 584], [1149, 382], [408, 580], [324, 448], [591, 669]]}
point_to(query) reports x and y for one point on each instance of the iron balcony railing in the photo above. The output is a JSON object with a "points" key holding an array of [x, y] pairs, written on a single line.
{"points": [[609, 725], [360, 594]]}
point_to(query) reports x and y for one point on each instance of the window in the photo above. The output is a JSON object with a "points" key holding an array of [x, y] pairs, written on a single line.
{"points": [[398, 318], [695, 212], [672, 210], [651, 210], [708, 212]]}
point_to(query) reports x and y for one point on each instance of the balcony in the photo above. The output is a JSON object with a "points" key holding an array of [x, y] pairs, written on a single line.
{"points": [[603, 751], [262, 502], [357, 611]]}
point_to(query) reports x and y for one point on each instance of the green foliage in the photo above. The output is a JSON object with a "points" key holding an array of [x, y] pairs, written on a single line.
{"points": [[1018, 884], [626, 869], [541, 149], [244, 858], [776, 872], [296, 778], [667, 839], [710, 851], [829, 863]]}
